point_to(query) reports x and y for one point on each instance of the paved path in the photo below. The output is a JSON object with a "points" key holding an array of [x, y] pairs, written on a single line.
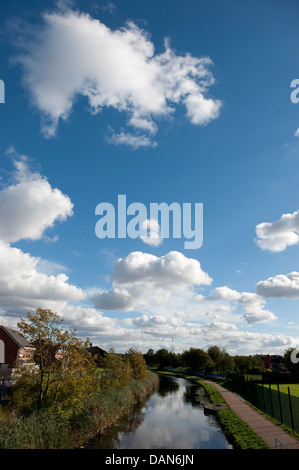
{"points": [[260, 424]]}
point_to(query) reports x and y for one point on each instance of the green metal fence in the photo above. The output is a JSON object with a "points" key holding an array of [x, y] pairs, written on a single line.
{"points": [[283, 407]]}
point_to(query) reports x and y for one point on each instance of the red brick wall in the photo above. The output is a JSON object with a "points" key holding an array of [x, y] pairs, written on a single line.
{"points": [[11, 348]]}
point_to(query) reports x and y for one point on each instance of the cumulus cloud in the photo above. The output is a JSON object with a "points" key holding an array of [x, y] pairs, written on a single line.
{"points": [[23, 286], [145, 321], [74, 54], [30, 205], [251, 303], [297, 133], [141, 279], [277, 236], [114, 299], [237, 341], [282, 285], [171, 270], [158, 326]]}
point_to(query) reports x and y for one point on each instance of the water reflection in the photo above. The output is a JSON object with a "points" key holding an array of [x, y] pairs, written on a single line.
{"points": [[195, 395], [173, 418], [167, 386]]}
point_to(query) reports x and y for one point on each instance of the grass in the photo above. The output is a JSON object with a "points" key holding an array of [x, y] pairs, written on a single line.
{"points": [[105, 408], [214, 395], [238, 433], [40, 430], [294, 388], [43, 429]]}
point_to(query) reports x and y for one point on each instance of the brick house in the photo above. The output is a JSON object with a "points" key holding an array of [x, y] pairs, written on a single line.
{"points": [[14, 348]]}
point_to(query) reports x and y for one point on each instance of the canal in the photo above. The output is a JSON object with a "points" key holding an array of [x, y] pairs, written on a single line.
{"points": [[172, 418]]}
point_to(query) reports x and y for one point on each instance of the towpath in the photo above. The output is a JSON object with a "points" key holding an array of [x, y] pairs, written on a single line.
{"points": [[272, 434]]}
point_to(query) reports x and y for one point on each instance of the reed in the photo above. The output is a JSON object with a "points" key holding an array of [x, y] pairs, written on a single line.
{"points": [[44, 429]]}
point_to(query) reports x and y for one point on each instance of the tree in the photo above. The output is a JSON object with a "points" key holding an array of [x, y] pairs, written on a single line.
{"points": [[248, 364], [214, 353], [163, 358], [118, 370], [196, 358], [138, 364], [222, 360], [65, 369]]}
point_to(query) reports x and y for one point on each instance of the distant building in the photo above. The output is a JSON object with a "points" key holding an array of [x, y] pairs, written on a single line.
{"points": [[273, 362], [14, 348], [97, 353]]}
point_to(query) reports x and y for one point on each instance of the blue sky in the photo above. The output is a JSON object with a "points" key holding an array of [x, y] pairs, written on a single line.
{"points": [[161, 102]]}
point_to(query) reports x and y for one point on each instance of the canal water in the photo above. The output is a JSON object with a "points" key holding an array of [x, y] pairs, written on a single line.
{"points": [[172, 418]]}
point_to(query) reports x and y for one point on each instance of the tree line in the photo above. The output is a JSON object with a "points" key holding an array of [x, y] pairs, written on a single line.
{"points": [[214, 359]]}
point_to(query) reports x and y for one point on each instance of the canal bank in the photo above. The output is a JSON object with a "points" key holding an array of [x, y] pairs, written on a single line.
{"points": [[172, 418], [238, 433], [245, 427]]}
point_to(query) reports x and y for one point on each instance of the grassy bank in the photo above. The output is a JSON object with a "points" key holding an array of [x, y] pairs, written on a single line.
{"points": [[238, 433], [294, 388], [43, 429]]}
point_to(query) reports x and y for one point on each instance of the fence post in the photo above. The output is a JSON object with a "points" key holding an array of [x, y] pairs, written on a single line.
{"points": [[291, 410], [279, 400], [263, 392], [270, 393]]}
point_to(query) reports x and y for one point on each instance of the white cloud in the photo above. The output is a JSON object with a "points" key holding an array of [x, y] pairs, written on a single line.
{"points": [[171, 270], [296, 133], [282, 285], [251, 303], [134, 141], [115, 299], [277, 236], [74, 54], [143, 124], [23, 286], [201, 110], [30, 206], [141, 279], [236, 341]]}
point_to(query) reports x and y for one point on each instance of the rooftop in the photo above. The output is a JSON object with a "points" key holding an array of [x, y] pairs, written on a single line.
{"points": [[16, 336]]}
